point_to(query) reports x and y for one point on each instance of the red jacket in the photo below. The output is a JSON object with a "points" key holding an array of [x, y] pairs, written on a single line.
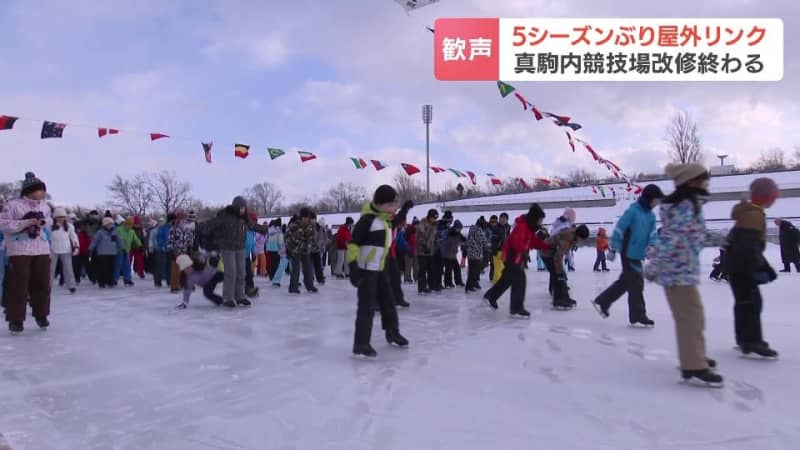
{"points": [[521, 241], [343, 237], [84, 241]]}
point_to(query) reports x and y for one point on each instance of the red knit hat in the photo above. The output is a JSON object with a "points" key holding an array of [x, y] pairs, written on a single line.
{"points": [[764, 191]]}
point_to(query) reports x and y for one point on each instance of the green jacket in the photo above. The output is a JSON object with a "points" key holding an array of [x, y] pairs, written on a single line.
{"points": [[129, 238]]}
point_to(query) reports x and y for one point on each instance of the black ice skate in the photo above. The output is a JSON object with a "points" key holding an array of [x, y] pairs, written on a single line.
{"points": [[601, 309], [643, 322], [229, 304], [403, 304], [181, 306], [15, 327], [42, 322], [491, 302], [251, 292], [243, 302], [763, 350], [564, 304], [521, 314], [364, 350], [395, 338], [703, 378]]}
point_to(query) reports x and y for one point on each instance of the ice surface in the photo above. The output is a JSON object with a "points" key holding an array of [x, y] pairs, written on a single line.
{"points": [[124, 370]]}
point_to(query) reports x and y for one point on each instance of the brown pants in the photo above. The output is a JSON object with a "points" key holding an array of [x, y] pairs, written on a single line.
{"points": [[27, 279], [174, 275], [261, 263], [410, 274], [690, 324]]}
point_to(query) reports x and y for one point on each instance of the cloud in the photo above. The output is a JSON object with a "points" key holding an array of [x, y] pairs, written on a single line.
{"points": [[262, 51]]}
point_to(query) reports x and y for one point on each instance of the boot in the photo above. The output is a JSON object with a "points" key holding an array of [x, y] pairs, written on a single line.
{"points": [[15, 327], [646, 321], [403, 304], [492, 302], [229, 304], [601, 309], [243, 302], [761, 349], [521, 314], [42, 322], [364, 350], [251, 292], [706, 376], [394, 337]]}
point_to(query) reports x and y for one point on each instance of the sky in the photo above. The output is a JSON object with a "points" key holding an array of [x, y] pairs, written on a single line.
{"points": [[340, 79]]}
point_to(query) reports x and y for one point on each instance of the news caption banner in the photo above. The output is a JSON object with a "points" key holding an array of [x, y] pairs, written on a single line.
{"points": [[668, 49]]}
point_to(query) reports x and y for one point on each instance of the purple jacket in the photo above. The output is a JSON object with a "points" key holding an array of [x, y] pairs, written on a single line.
{"points": [[197, 279], [261, 242], [18, 243]]}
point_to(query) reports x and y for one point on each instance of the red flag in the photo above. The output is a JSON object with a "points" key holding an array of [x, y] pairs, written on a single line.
{"points": [[495, 181], [571, 142], [522, 99], [207, 150], [156, 136], [306, 156], [472, 177], [7, 122], [378, 164], [410, 169], [543, 181], [104, 131], [591, 150], [537, 113], [437, 169], [524, 184], [594, 189], [638, 190]]}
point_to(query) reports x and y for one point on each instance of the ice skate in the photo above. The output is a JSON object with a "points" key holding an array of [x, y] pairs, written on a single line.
{"points": [[601, 309], [762, 350], [42, 322], [702, 378], [15, 328], [521, 314], [491, 302], [243, 302], [364, 350], [395, 338], [644, 322]]}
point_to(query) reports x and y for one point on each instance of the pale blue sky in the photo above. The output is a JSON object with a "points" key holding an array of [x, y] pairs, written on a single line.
{"points": [[339, 78]]}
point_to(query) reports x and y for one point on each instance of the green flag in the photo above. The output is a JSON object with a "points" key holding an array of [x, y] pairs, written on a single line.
{"points": [[275, 153], [505, 88], [602, 191]]}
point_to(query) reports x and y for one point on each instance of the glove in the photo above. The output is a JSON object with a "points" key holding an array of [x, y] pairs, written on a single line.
{"points": [[355, 273], [113, 239], [612, 255]]}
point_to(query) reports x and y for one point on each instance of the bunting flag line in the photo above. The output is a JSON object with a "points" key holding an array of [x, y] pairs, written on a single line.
{"points": [[378, 165], [359, 163], [437, 169], [472, 177], [602, 192], [522, 100], [524, 184], [457, 173], [543, 181], [306, 156], [538, 114], [207, 150], [571, 142], [7, 122], [409, 168], [104, 131], [52, 130], [275, 153], [505, 88], [241, 151], [594, 189], [495, 181], [157, 136], [563, 121]]}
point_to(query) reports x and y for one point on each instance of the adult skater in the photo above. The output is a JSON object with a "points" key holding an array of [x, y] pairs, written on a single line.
{"points": [[24, 222], [634, 232], [747, 267], [366, 256], [515, 250], [197, 272], [789, 238], [675, 265]]}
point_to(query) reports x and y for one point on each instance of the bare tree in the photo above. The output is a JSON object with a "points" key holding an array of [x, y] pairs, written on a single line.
{"points": [[169, 193], [134, 195], [8, 191], [263, 198], [772, 159], [684, 139], [346, 197], [796, 155], [408, 188], [580, 177]]}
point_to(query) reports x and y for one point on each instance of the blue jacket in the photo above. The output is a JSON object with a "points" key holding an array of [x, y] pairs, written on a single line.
{"points": [[640, 224], [106, 242], [402, 243], [162, 237], [250, 244]]}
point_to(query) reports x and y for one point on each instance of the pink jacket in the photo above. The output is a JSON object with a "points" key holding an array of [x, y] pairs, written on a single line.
{"points": [[261, 242], [11, 223]]}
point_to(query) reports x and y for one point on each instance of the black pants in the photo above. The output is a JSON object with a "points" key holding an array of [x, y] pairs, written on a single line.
{"points": [[474, 273], [301, 261], [631, 281], [374, 289], [452, 272], [746, 310], [249, 282], [557, 285], [600, 261], [491, 266], [437, 270], [159, 267], [424, 273], [81, 264], [316, 260], [512, 277], [395, 280], [104, 269], [274, 262], [208, 288], [787, 267]]}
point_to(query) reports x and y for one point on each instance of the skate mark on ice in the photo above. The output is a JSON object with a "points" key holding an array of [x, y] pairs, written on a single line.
{"points": [[521, 337], [550, 374], [748, 392], [742, 407], [553, 346], [606, 340]]}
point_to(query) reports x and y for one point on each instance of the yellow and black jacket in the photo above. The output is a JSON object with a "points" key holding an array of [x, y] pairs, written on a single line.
{"points": [[371, 240]]}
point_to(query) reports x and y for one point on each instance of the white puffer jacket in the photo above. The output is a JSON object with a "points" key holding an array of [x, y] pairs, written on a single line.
{"points": [[62, 241]]}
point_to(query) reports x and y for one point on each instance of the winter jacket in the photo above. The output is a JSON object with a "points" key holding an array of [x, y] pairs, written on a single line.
{"points": [[560, 224], [92, 227], [602, 243], [451, 244], [558, 246], [789, 236], [275, 242], [300, 238], [521, 240], [499, 234], [411, 237], [343, 235], [261, 243], [747, 240], [442, 230], [139, 231], [401, 243], [249, 247], [63, 240], [106, 243], [371, 240], [476, 243], [181, 239], [84, 241], [197, 278], [426, 238], [152, 239], [18, 241], [228, 230], [162, 237], [634, 232], [676, 253], [129, 238]]}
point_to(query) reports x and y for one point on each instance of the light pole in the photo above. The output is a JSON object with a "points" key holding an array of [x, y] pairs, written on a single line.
{"points": [[722, 159], [427, 118]]}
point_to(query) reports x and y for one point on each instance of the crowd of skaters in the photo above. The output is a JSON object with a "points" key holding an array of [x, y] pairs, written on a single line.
{"points": [[384, 249]]}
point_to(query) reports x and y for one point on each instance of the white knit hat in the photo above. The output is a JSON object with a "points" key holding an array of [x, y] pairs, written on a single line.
{"points": [[184, 262], [683, 173], [59, 212]]}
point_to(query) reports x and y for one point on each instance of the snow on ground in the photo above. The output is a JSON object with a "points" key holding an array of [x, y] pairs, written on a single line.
{"points": [[124, 370]]}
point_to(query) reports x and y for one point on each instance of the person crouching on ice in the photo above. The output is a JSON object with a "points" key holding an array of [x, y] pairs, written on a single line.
{"points": [[197, 272], [515, 250], [366, 257], [558, 246]]}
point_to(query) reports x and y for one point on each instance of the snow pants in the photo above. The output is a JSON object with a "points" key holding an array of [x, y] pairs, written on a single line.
{"points": [[600, 261], [27, 280], [425, 273], [452, 273], [690, 324], [301, 261], [747, 309], [395, 280], [474, 273], [410, 272], [512, 277], [374, 289], [631, 281]]}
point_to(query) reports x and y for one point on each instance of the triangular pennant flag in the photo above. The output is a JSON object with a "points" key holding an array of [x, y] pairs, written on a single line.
{"points": [[275, 153], [522, 99], [457, 173], [495, 181], [52, 130], [409, 168], [608, 162], [543, 181], [241, 151], [378, 165], [594, 189], [104, 131], [537, 113], [207, 150], [638, 190], [156, 136], [472, 177], [524, 184], [591, 150], [7, 122], [563, 121], [437, 169], [505, 88], [306, 156], [602, 192], [359, 163], [571, 142]]}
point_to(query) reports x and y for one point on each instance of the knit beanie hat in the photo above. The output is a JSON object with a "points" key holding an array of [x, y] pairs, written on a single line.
{"points": [[32, 184], [569, 213], [183, 262], [582, 232], [384, 194], [458, 225], [684, 173], [432, 213], [448, 215], [239, 202], [108, 221], [764, 191], [348, 221], [59, 212]]}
